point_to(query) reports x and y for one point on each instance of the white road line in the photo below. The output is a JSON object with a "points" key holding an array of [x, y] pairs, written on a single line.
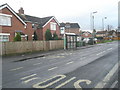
{"points": [[16, 69], [28, 76], [30, 79], [69, 62], [36, 63], [104, 51], [52, 68], [110, 49], [99, 53], [83, 57], [107, 77], [113, 85], [59, 86]]}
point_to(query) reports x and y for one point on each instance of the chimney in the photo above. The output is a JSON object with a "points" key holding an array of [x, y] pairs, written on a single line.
{"points": [[21, 11]]}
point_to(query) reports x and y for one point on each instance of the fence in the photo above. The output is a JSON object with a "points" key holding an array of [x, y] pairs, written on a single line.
{"points": [[30, 46]]}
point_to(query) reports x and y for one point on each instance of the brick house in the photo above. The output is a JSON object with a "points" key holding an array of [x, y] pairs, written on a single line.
{"points": [[40, 25], [101, 33], [70, 28], [12, 22]]}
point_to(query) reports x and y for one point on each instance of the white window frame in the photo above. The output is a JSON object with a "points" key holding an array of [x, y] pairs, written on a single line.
{"points": [[62, 30], [2, 35], [7, 19], [53, 26]]}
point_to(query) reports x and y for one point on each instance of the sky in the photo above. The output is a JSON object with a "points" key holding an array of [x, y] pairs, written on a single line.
{"points": [[75, 11]]}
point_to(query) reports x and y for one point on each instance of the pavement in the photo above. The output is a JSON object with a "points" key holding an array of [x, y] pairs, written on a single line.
{"points": [[27, 56]]}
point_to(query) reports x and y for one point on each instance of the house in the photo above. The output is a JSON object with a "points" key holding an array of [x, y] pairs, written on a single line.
{"points": [[12, 22], [69, 28], [101, 33], [40, 25], [112, 34]]}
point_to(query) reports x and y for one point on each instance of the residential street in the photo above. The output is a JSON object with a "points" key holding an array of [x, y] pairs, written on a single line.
{"points": [[94, 67]]}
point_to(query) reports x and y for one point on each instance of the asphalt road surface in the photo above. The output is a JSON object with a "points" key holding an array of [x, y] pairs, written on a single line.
{"points": [[94, 67]]}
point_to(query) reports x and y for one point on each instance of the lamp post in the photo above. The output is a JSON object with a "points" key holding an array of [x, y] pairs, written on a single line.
{"points": [[92, 23], [103, 22]]}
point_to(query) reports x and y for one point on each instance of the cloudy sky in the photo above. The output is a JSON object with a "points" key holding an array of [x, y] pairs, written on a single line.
{"points": [[71, 10]]}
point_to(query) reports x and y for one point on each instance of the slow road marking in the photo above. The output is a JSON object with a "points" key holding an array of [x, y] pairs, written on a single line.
{"points": [[16, 69], [77, 83], [59, 86], [26, 81], [28, 76], [52, 68], [107, 77], [49, 84], [69, 63]]}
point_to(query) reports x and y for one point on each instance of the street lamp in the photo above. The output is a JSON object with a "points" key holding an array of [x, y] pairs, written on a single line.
{"points": [[93, 18], [92, 21], [103, 22]]}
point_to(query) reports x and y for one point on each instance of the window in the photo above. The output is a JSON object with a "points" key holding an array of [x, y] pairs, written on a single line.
{"points": [[62, 29], [4, 38], [5, 20], [53, 26]]}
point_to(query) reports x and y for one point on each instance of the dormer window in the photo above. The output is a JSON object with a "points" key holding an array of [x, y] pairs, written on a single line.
{"points": [[5, 20], [33, 26]]}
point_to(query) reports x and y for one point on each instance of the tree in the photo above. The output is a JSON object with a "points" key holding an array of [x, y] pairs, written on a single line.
{"points": [[48, 35], [55, 36], [17, 37], [35, 36]]}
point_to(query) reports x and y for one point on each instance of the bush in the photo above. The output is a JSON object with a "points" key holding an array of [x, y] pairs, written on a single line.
{"points": [[17, 37], [84, 44], [91, 41], [35, 36], [55, 36], [48, 35]]}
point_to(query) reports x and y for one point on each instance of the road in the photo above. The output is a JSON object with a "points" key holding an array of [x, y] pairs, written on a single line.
{"points": [[94, 67]]}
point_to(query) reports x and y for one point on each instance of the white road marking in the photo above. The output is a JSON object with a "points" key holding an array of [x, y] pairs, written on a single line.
{"points": [[28, 76], [49, 84], [110, 49], [83, 57], [69, 62], [52, 68], [104, 51], [38, 58], [36, 63], [113, 85], [30, 79], [16, 69], [77, 83], [99, 53], [107, 77], [59, 86]]}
